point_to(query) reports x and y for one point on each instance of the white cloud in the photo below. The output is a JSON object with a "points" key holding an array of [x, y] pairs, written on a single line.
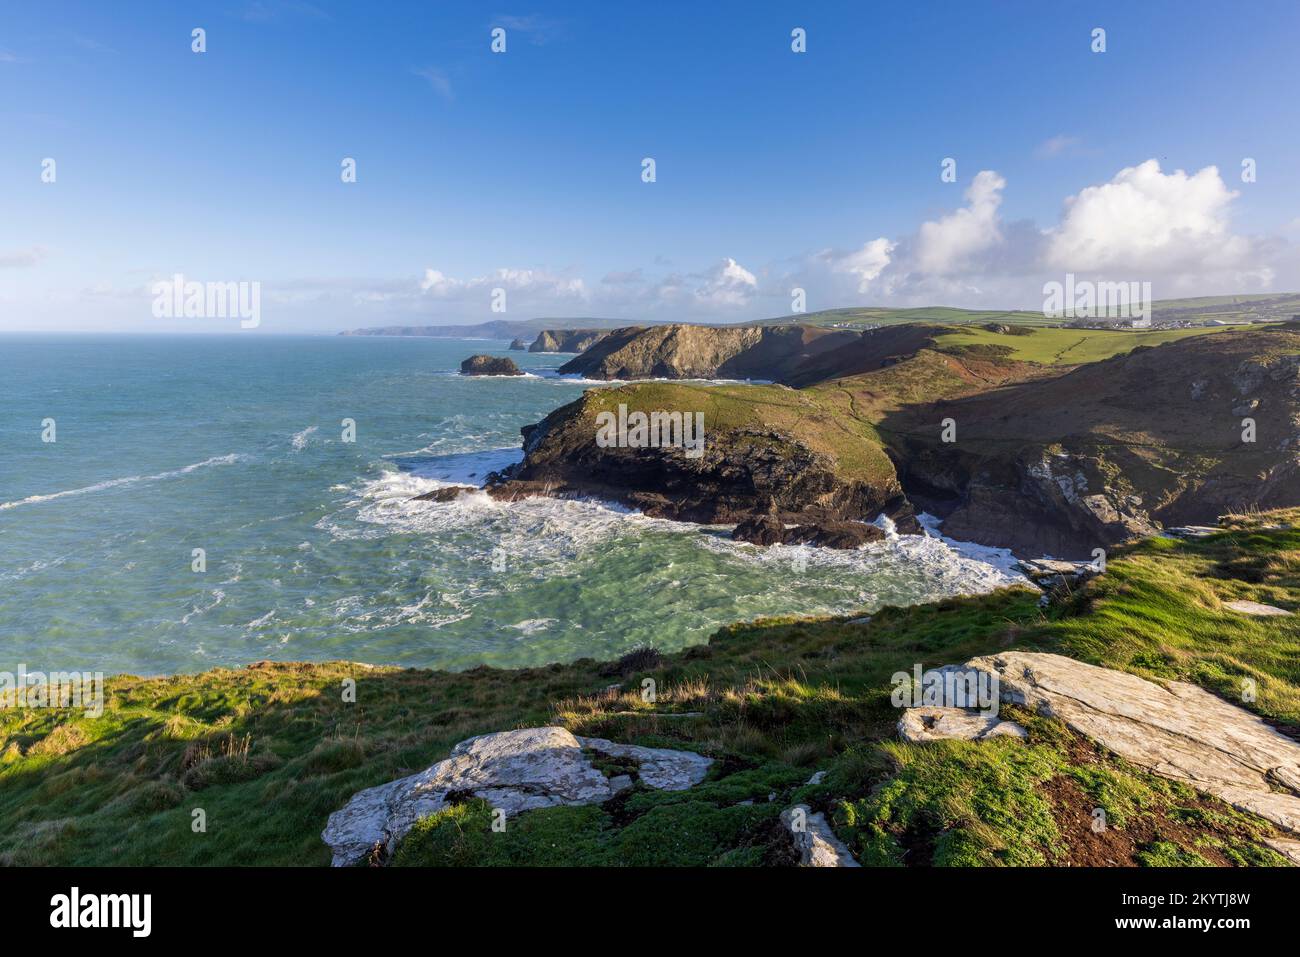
{"points": [[727, 284], [22, 258], [532, 282], [950, 244], [1146, 220], [866, 263]]}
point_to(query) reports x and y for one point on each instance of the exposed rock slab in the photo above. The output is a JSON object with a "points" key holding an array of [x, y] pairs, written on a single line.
{"points": [[1287, 848], [512, 770], [962, 724], [1190, 531], [1255, 608], [1176, 730], [660, 768], [814, 840]]}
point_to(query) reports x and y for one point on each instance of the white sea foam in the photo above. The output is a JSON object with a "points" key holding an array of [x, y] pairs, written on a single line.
{"points": [[259, 622], [465, 468], [531, 626], [128, 480], [300, 439], [218, 596], [550, 535]]}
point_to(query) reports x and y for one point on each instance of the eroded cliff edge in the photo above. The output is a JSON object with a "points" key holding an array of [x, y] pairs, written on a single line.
{"points": [[1042, 458]]}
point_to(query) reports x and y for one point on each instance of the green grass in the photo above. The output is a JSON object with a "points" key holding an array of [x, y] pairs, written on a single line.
{"points": [[802, 414], [1061, 346], [1247, 308], [268, 752]]}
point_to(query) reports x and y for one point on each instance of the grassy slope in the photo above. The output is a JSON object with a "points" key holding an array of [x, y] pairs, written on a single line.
{"points": [[1252, 308], [800, 413], [269, 751], [1069, 346]]}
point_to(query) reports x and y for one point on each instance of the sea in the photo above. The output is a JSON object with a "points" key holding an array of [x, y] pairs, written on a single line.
{"points": [[171, 504]]}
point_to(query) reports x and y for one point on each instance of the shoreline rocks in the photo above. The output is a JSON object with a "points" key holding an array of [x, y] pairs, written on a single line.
{"points": [[489, 366], [448, 494], [828, 533]]}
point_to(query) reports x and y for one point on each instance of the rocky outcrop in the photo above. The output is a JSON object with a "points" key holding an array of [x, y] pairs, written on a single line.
{"points": [[1038, 462], [766, 530], [706, 352], [514, 771], [567, 340], [1176, 730], [518, 345], [814, 841], [787, 469], [961, 724], [447, 494], [489, 365]]}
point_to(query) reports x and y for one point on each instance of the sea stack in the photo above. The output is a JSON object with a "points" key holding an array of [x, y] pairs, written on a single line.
{"points": [[489, 365]]}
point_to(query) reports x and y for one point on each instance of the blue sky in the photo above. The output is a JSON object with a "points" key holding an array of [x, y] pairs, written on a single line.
{"points": [[522, 170]]}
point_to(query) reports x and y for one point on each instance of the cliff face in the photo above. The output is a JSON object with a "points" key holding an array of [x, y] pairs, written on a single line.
{"points": [[567, 340], [707, 352], [1042, 460], [766, 450], [1112, 449]]}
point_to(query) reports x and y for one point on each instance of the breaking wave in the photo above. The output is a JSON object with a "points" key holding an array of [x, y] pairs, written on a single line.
{"points": [[128, 480]]}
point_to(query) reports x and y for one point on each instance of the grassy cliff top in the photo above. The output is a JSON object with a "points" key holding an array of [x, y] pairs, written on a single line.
{"points": [[805, 415], [270, 750]]}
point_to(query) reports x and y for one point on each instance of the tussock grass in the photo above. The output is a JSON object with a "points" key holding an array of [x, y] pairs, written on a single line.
{"points": [[270, 750]]}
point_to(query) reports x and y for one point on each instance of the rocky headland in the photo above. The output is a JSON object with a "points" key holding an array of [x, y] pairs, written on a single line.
{"points": [[567, 340], [1009, 447]]}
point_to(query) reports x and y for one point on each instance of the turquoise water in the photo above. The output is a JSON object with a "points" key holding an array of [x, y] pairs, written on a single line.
{"points": [[314, 547]]}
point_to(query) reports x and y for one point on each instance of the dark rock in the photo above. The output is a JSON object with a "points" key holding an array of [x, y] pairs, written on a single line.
{"points": [[761, 530], [445, 494], [636, 662], [833, 534], [767, 530], [489, 365], [518, 345]]}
